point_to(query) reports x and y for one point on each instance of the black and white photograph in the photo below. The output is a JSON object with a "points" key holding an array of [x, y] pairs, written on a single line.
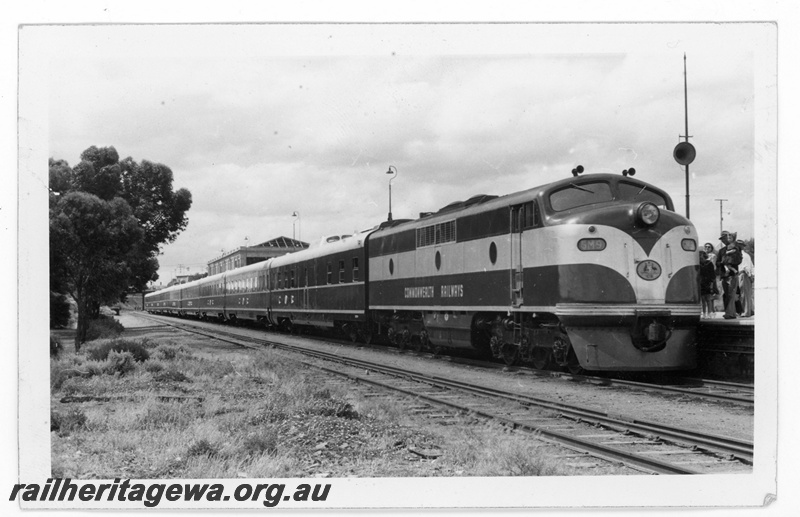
{"points": [[403, 264]]}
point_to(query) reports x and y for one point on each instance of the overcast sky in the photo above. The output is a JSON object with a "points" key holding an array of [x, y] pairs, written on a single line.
{"points": [[260, 121]]}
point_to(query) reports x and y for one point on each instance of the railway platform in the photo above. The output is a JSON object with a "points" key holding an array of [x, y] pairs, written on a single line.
{"points": [[726, 347]]}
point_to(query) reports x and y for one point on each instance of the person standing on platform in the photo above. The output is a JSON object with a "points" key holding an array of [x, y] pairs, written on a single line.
{"points": [[712, 257], [728, 261], [746, 274], [708, 284]]}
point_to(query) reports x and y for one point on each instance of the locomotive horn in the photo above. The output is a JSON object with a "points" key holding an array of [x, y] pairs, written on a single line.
{"points": [[684, 153], [577, 170], [629, 172]]}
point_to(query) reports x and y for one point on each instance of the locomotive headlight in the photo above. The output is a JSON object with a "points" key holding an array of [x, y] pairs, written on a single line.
{"points": [[648, 213], [689, 245]]}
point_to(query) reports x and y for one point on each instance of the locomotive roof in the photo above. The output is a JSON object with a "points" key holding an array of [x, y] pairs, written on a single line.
{"points": [[482, 202]]}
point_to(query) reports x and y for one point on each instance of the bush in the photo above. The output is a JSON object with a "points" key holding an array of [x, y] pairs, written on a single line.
{"points": [[170, 352], [119, 363], [104, 327], [65, 423], [100, 352], [153, 366], [265, 441], [203, 448]]}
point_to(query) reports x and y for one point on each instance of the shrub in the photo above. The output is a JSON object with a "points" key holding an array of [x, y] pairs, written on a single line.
{"points": [[119, 363], [65, 423], [100, 352], [74, 366], [264, 441], [104, 327], [170, 352], [153, 366], [203, 448]]}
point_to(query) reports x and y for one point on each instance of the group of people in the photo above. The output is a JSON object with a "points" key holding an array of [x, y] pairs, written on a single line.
{"points": [[727, 268]]}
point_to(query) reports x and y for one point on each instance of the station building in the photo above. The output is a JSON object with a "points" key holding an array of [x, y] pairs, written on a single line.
{"points": [[246, 255]]}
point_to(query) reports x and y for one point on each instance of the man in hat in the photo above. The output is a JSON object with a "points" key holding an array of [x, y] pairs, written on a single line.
{"points": [[746, 274], [728, 260]]}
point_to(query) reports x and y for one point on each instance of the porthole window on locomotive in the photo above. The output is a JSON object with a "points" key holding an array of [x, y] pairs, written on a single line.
{"points": [[493, 253], [438, 260], [391, 266]]}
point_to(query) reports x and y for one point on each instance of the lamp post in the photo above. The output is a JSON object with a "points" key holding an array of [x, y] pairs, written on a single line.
{"points": [[393, 171], [296, 216]]}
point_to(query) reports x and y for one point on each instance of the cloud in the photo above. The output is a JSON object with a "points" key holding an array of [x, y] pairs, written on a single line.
{"points": [[257, 136]]}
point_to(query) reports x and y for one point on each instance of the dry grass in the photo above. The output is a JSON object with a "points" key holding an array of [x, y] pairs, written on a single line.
{"points": [[191, 413]]}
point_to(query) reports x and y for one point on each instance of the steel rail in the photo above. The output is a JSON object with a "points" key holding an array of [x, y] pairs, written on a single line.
{"points": [[738, 449]]}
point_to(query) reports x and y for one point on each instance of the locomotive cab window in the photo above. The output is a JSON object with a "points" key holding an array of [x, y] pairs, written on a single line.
{"points": [[639, 192], [576, 195]]}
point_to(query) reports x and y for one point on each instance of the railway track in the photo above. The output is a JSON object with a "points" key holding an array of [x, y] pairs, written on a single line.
{"points": [[616, 438], [735, 393]]}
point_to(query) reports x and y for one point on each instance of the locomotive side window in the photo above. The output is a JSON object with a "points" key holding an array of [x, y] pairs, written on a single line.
{"points": [[638, 192], [330, 273], [355, 269], [526, 216], [584, 194], [341, 271]]}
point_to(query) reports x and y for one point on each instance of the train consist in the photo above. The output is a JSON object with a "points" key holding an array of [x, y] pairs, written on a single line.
{"points": [[593, 272]]}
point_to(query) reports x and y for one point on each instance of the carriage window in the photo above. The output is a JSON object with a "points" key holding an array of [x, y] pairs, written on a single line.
{"points": [[639, 192], [576, 195], [341, 271], [355, 269], [330, 273]]}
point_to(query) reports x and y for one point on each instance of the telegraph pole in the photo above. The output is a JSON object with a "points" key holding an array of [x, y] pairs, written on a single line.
{"points": [[720, 214], [684, 152]]}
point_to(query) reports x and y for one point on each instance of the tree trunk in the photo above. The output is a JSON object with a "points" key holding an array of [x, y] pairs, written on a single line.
{"points": [[80, 332]]}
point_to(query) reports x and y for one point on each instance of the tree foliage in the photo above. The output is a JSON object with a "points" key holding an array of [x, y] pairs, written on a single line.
{"points": [[108, 219]]}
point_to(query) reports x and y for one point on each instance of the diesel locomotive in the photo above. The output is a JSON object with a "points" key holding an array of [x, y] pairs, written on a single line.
{"points": [[594, 272]]}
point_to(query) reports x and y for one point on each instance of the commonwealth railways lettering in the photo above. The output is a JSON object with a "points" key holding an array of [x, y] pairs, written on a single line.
{"points": [[427, 291], [419, 292]]}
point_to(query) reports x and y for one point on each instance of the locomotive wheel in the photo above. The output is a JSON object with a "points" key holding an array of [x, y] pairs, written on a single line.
{"points": [[510, 354], [541, 358], [416, 344]]}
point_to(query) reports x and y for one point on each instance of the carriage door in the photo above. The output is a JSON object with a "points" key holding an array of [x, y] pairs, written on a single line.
{"points": [[516, 219]]}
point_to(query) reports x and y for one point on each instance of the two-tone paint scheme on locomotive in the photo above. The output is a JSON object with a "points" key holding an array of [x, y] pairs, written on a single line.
{"points": [[595, 272]]}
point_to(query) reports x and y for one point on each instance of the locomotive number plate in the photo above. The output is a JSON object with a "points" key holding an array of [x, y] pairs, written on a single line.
{"points": [[648, 269]]}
